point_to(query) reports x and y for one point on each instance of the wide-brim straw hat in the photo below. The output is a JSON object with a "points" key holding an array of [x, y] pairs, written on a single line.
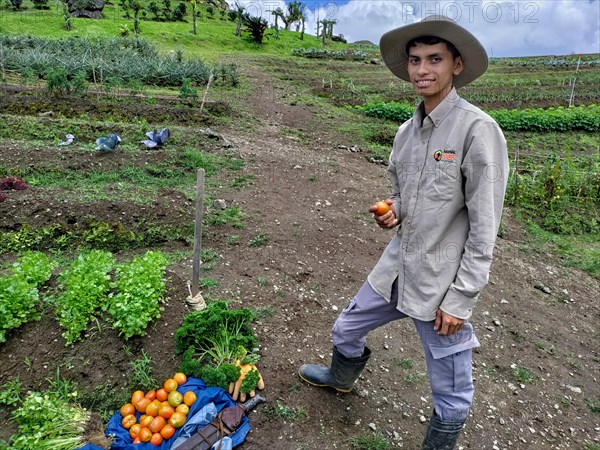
{"points": [[393, 47]]}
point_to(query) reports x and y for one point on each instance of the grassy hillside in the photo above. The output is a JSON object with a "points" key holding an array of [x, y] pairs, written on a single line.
{"points": [[214, 37]]}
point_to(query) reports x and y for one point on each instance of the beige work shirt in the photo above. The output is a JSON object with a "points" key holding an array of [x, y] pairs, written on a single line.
{"points": [[448, 171]]}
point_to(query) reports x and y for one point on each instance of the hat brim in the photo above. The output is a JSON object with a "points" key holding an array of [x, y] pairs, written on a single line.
{"points": [[393, 47]]}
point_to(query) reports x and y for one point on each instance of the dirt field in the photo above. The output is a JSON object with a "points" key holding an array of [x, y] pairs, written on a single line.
{"points": [[310, 196]]}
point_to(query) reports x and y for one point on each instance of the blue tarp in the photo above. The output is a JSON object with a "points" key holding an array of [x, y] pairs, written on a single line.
{"points": [[204, 396]]}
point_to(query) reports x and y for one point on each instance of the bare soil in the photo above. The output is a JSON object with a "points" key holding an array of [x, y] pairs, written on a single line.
{"points": [[310, 196]]}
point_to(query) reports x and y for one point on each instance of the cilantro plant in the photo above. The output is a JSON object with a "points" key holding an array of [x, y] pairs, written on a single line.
{"points": [[19, 293], [85, 284], [140, 286], [47, 422]]}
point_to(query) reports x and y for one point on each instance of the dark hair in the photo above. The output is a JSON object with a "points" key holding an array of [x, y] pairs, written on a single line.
{"points": [[432, 40]]}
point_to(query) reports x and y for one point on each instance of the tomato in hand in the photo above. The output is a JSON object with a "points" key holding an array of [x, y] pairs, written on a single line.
{"points": [[380, 208]]}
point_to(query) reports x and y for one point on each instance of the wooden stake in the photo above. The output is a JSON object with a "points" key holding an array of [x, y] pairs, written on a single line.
{"points": [[198, 232], [210, 79]]}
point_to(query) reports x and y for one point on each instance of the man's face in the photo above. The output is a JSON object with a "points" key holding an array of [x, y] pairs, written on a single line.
{"points": [[431, 69]]}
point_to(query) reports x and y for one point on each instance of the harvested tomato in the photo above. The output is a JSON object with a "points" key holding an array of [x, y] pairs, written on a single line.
{"points": [[381, 208], [175, 399], [177, 420], [145, 420], [180, 377], [152, 408], [128, 421], [168, 431], [136, 397], [151, 394], [157, 424], [170, 385], [189, 398], [183, 408], [161, 394], [166, 411], [137, 440], [127, 409], [145, 434], [156, 439], [142, 404], [134, 431]]}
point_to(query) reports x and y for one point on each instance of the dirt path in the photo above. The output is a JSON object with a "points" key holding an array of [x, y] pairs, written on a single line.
{"points": [[310, 197]]}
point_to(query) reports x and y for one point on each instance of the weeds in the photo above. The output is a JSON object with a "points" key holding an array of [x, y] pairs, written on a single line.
{"points": [[522, 374], [285, 412], [62, 388], [414, 378], [259, 240], [10, 393], [104, 399], [593, 404], [405, 363], [141, 373], [374, 441]]}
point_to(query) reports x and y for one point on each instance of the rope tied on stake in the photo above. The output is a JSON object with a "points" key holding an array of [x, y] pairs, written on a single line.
{"points": [[196, 302]]}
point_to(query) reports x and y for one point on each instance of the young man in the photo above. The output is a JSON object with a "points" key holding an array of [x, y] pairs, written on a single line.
{"points": [[448, 169]]}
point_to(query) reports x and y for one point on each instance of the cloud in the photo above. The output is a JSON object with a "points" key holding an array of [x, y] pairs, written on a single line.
{"points": [[505, 28]]}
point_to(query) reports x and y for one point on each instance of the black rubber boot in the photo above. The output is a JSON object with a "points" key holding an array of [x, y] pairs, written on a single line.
{"points": [[442, 434], [342, 374]]}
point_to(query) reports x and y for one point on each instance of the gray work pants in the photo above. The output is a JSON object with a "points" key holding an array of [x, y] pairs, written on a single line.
{"points": [[448, 358]]}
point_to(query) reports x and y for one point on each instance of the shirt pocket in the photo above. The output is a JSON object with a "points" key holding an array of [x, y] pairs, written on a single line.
{"points": [[443, 182]]}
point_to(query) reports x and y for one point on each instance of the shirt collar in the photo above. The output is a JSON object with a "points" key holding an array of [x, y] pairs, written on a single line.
{"points": [[440, 112]]}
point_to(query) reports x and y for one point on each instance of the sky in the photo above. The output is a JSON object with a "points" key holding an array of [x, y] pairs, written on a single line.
{"points": [[505, 28]]}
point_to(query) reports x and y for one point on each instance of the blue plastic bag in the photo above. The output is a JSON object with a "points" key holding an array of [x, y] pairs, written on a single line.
{"points": [[204, 396]]}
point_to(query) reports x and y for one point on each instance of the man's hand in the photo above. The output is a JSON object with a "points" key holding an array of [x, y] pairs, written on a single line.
{"points": [[387, 220], [445, 324]]}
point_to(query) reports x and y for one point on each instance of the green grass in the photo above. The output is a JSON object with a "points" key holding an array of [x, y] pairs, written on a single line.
{"points": [[214, 37], [581, 252]]}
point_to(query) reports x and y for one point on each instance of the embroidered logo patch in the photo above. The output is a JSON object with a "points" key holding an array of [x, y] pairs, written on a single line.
{"points": [[444, 155]]}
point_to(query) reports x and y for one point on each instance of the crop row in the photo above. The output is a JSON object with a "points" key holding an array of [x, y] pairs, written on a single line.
{"points": [[559, 119], [319, 53], [102, 60], [133, 299]]}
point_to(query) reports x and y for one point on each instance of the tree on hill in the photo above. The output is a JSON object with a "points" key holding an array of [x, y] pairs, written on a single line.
{"points": [[194, 15], [256, 26], [295, 13], [239, 11], [278, 13]]}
